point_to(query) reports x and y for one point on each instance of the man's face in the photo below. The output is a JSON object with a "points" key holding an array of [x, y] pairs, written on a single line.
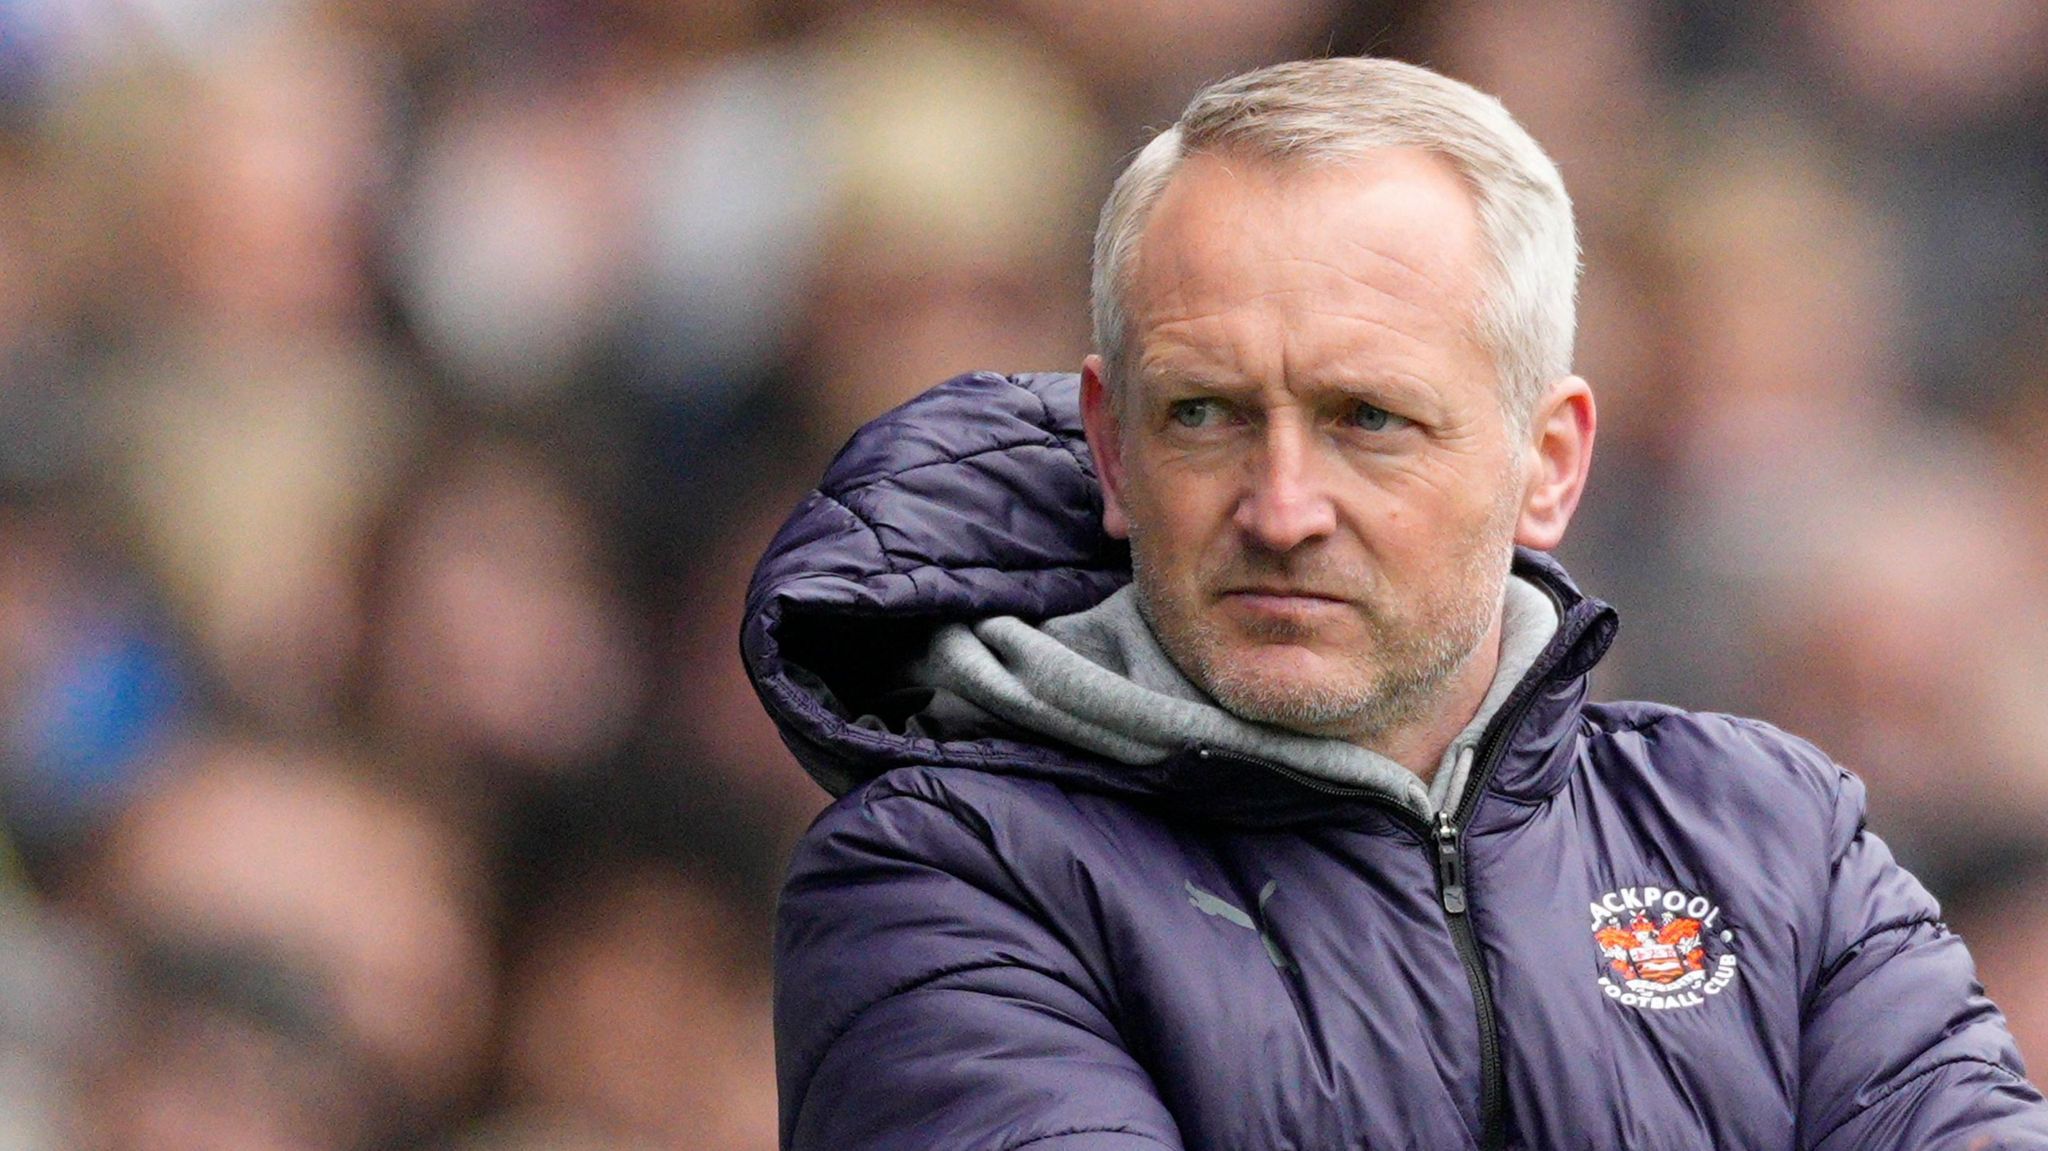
{"points": [[1311, 460]]}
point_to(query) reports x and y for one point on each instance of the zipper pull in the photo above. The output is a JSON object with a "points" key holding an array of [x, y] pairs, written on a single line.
{"points": [[1450, 865]]}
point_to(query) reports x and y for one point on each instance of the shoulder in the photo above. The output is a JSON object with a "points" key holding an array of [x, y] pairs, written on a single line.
{"points": [[911, 850], [962, 819], [1710, 750], [1730, 775]]}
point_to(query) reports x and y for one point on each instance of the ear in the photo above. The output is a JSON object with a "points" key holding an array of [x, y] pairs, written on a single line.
{"points": [[1560, 454], [1105, 443]]}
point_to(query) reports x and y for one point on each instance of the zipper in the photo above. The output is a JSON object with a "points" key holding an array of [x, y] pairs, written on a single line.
{"points": [[1450, 865], [1445, 839], [1450, 853], [1450, 881]]}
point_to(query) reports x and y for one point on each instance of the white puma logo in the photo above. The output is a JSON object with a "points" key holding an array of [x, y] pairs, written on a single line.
{"points": [[1210, 904]]}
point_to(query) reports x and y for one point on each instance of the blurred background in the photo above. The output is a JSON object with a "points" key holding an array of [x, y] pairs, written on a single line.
{"points": [[395, 395]]}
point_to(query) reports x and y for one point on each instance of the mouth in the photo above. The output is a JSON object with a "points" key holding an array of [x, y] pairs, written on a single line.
{"points": [[1283, 591], [1275, 599]]}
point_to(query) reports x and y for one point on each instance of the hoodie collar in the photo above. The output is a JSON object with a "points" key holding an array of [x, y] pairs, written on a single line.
{"points": [[1099, 680]]}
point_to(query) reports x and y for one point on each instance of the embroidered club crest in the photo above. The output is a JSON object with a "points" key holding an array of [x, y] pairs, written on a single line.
{"points": [[1662, 947]]}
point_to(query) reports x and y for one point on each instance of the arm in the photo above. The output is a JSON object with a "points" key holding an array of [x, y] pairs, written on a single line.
{"points": [[1900, 1048], [924, 1001]]}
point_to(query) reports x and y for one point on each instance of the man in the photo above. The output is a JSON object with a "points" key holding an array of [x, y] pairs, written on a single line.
{"points": [[1308, 838]]}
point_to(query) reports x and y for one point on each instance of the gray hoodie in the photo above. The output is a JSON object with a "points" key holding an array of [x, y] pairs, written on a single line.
{"points": [[1099, 680]]}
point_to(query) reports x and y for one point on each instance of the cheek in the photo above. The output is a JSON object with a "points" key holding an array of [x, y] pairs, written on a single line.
{"points": [[1176, 516], [1441, 499]]}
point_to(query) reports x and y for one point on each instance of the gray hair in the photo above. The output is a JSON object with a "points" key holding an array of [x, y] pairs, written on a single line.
{"points": [[1340, 109]]}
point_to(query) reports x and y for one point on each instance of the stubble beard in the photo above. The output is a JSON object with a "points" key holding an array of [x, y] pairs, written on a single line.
{"points": [[1399, 680]]}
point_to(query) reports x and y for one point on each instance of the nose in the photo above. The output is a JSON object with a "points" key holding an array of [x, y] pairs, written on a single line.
{"points": [[1285, 503]]}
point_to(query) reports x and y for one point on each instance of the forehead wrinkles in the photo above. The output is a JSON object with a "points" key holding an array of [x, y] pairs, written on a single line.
{"points": [[1396, 229], [1395, 299]]}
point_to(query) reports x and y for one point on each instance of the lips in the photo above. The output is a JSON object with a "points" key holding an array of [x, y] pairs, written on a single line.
{"points": [[1284, 593], [1290, 609]]}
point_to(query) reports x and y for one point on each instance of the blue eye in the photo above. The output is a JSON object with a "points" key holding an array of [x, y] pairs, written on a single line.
{"points": [[1370, 418], [1193, 413]]}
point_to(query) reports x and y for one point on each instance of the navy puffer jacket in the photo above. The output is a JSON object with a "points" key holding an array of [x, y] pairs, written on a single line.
{"points": [[1642, 928]]}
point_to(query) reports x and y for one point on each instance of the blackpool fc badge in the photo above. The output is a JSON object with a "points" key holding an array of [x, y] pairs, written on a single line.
{"points": [[1662, 947]]}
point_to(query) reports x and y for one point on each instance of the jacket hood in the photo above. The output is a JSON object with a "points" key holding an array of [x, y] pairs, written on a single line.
{"points": [[979, 499]]}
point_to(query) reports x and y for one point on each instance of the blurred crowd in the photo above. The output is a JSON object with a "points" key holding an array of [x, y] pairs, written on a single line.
{"points": [[395, 395]]}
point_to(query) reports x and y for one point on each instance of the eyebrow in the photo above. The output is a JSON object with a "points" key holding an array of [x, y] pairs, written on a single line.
{"points": [[1162, 378], [1390, 387], [1380, 391], [1161, 390]]}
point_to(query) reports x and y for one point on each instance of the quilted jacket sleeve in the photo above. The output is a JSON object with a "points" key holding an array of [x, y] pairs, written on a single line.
{"points": [[1900, 1047], [925, 1000]]}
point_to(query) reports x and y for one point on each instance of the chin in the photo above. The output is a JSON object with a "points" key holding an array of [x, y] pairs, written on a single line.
{"points": [[1283, 664], [1288, 686]]}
